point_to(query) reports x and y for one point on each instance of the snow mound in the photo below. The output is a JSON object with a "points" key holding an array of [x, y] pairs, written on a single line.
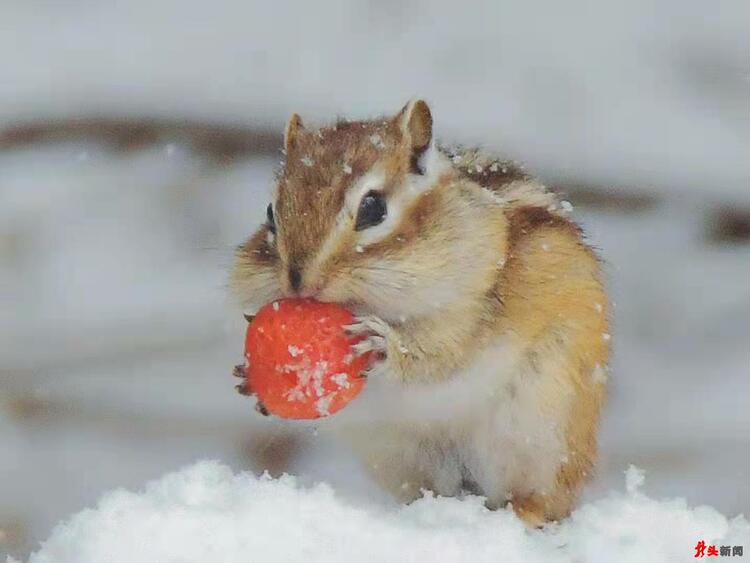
{"points": [[205, 513]]}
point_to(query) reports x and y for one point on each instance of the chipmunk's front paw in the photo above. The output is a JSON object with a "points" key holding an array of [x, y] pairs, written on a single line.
{"points": [[380, 338], [245, 389], [375, 332]]}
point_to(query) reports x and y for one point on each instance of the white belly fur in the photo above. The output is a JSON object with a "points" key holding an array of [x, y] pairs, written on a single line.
{"points": [[492, 424]]}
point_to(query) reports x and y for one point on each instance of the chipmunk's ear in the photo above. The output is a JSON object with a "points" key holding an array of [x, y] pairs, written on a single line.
{"points": [[293, 127], [415, 120]]}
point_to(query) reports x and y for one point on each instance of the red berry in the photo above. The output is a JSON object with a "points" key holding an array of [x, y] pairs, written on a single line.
{"points": [[301, 363]]}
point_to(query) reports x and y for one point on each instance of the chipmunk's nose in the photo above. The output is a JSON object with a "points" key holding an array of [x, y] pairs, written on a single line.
{"points": [[301, 282], [295, 278]]}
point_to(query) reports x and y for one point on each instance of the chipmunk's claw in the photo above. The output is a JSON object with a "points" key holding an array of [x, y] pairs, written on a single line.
{"points": [[375, 332], [372, 343], [357, 328], [249, 318], [368, 324], [239, 371], [242, 389], [367, 372], [260, 407], [378, 368]]}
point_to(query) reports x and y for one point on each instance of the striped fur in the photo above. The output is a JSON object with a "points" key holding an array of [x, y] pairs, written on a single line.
{"points": [[488, 300]]}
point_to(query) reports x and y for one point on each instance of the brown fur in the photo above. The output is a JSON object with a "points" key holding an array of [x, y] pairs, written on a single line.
{"points": [[483, 254], [550, 289]]}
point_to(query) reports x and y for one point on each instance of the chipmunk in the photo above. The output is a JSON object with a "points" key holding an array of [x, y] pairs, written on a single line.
{"points": [[482, 300]]}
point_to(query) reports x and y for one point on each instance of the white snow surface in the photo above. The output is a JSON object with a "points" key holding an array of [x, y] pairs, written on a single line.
{"points": [[206, 513]]}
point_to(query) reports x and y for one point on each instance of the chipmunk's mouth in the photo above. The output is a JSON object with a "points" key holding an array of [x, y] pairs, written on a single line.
{"points": [[309, 293], [356, 307]]}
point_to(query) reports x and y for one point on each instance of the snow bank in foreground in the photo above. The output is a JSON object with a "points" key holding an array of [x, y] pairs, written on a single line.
{"points": [[206, 513]]}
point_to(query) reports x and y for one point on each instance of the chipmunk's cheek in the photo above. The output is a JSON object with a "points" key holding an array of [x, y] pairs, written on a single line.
{"points": [[253, 285], [335, 290], [330, 294]]}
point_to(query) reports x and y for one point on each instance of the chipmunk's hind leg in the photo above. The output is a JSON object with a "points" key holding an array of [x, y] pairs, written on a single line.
{"points": [[532, 510], [537, 508]]}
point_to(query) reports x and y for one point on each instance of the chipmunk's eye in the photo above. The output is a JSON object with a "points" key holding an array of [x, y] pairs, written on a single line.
{"points": [[372, 211], [269, 218]]}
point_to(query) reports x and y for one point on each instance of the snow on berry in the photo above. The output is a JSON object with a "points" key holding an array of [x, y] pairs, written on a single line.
{"points": [[300, 359]]}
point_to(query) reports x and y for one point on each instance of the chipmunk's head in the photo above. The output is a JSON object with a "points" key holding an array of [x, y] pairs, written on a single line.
{"points": [[360, 216]]}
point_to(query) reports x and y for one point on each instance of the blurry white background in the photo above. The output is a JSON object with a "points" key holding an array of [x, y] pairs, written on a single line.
{"points": [[137, 146]]}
